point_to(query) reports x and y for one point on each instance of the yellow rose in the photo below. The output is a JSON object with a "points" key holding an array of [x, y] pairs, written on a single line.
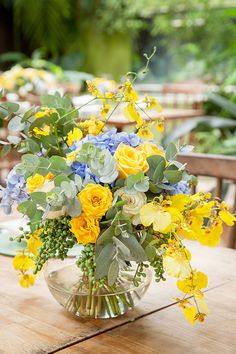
{"points": [[85, 228], [34, 182], [95, 200], [150, 149], [130, 160]]}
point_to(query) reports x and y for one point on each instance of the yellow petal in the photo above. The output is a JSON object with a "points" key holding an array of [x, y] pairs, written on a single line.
{"points": [[132, 114], [161, 221], [227, 217], [26, 280], [190, 314]]}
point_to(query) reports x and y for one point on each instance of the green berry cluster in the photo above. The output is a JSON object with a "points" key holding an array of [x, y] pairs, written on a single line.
{"points": [[139, 274], [157, 265], [57, 239], [86, 263]]}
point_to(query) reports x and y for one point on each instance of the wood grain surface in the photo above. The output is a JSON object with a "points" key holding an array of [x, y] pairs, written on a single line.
{"points": [[32, 322]]}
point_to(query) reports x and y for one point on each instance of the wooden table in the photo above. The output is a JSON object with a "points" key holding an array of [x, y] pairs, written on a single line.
{"points": [[32, 322]]}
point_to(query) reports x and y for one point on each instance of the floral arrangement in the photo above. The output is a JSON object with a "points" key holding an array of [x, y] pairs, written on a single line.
{"points": [[120, 195], [27, 80]]}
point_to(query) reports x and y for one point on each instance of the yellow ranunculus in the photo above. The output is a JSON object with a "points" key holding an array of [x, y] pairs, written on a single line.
{"points": [[26, 280], [130, 160], [92, 126], [34, 182], [22, 262], [85, 228], [150, 149], [153, 213], [44, 131], [95, 200], [73, 135]]}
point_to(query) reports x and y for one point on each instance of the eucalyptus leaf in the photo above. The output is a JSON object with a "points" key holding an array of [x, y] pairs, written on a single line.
{"points": [[113, 272], [171, 151], [74, 208], [15, 124], [137, 252], [104, 260], [13, 139], [27, 208], [39, 198]]}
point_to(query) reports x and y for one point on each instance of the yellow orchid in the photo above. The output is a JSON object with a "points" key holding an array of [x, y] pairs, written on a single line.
{"points": [[131, 113], [44, 131], [73, 135], [27, 280], [151, 103], [154, 214], [176, 262], [22, 262], [195, 282], [145, 133]]}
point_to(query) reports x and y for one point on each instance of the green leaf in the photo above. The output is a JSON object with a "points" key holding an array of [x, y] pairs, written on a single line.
{"points": [[13, 139], [39, 198], [43, 166], [150, 252], [5, 150], [153, 162], [11, 107], [153, 188], [106, 236], [103, 261], [58, 165], [113, 272], [33, 146], [158, 174], [30, 162], [56, 101], [74, 208], [15, 124], [124, 250], [27, 208], [137, 252], [59, 179], [171, 151], [27, 115], [173, 176], [35, 220]]}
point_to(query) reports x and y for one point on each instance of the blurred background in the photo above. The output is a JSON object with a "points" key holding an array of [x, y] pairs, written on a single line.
{"points": [[193, 73]]}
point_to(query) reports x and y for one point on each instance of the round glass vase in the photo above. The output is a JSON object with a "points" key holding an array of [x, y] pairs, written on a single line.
{"points": [[70, 288]]}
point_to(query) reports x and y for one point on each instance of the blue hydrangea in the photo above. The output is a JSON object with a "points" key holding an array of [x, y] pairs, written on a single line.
{"points": [[179, 188], [110, 140], [15, 191], [84, 172]]}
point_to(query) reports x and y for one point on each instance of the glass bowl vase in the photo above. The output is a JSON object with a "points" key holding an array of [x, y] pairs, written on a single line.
{"points": [[70, 288]]}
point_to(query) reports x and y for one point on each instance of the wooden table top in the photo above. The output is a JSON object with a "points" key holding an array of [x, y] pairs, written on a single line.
{"points": [[31, 322]]}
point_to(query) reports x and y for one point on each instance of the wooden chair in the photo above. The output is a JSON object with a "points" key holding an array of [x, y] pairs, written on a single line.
{"points": [[222, 168]]}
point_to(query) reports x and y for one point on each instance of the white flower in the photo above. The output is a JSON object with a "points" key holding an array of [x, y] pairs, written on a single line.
{"points": [[134, 202]]}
